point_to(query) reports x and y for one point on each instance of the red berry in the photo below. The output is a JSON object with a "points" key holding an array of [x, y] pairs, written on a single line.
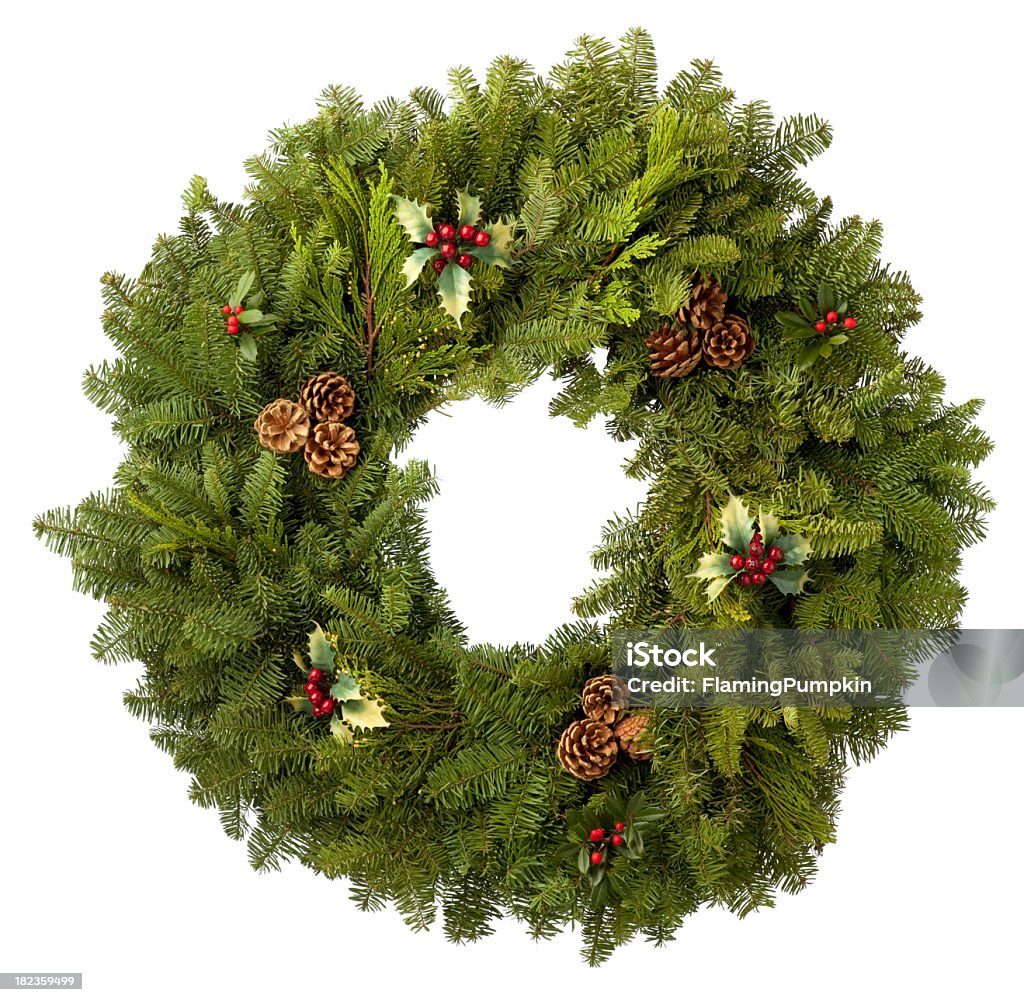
{"points": [[316, 714], [449, 250], [596, 857], [463, 260], [767, 566], [831, 316], [440, 264], [821, 326], [315, 674], [225, 309], [756, 549], [239, 308], [619, 826], [327, 706], [617, 840], [596, 834], [233, 325], [775, 554], [446, 231], [432, 239], [482, 238], [744, 580], [467, 232], [736, 562], [758, 579], [316, 697], [310, 686], [752, 564], [849, 323]]}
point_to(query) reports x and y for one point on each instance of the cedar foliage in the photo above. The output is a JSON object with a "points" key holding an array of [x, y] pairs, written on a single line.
{"points": [[214, 558]]}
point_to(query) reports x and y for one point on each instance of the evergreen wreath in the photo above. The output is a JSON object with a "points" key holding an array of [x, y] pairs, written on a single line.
{"points": [[265, 557]]}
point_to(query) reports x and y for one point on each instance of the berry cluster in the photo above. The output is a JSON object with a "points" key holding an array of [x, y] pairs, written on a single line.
{"points": [[756, 566], [450, 243], [831, 320], [232, 317], [323, 705], [605, 842]]}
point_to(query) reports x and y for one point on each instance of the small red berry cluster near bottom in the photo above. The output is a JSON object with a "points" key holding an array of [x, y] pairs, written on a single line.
{"points": [[755, 570], [323, 705], [232, 314], [450, 242], [599, 837], [832, 318]]}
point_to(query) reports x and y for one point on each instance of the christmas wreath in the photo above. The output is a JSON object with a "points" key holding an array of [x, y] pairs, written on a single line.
{"points": [[264, 555]]}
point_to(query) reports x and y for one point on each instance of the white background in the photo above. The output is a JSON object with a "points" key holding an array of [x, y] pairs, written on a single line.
{"points": [[104, 865]]}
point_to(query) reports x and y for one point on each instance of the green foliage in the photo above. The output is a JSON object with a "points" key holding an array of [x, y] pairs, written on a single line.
{"points": [[604, 202]]}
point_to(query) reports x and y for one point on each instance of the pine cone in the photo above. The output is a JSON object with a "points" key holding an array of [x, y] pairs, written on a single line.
{"points": [[605, 698], [729, 343], [283, 426], [705, 307], [327, 397], [587, 749], [674, 352], [332, 449], [631, 735]]}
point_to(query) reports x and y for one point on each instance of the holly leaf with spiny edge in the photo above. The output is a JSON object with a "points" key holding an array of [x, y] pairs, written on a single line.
{"points": [[791, 580], [414, 218], [795, 548], [469, 209], [414, 263], [320, 652], [499, 251], [716, 568], [341, 731], [453, 288], [345, 688], [769, 526], [364, 713], [737, 525]]}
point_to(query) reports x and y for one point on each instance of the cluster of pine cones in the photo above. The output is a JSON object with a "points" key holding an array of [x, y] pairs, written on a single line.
{"points": [[315, 425], [701, 330], [589, 748]]}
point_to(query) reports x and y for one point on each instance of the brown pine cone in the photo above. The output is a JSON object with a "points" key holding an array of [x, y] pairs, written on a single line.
{"points": [[605, 698], [674, 352], [631, 735], [332, 449], [327, 397], [587, 749], [729, 343], [283, 426], [706, 305]]}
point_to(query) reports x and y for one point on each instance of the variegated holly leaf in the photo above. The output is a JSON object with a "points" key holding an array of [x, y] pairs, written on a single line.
{"points": [[737, 525], [712, 565], [300, 704], [320, 652], [469, 209], [414, 218], [414, 263], [790, 581], [795, 548], [364, 712], [345, 688], [453, 288], [499, 251], [342, 732], [717, 585], [769, 526]]}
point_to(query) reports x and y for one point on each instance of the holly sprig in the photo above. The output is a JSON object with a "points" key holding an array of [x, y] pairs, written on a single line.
{"points": [[332, 692], [606, 841], [451, 248], [822, 325], [239, 314], [758, 555]]}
